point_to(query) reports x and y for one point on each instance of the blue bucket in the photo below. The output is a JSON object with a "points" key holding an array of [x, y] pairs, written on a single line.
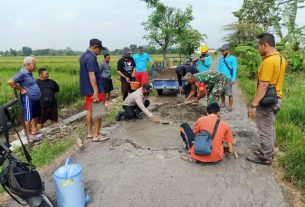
{"points": [[69, 186]]}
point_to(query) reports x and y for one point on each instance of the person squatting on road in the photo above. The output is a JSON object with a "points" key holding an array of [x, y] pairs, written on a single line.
{"points": [[270, 77], [48, 103], [223, 134], [106, 77], [141, 58], [126, 69], [213, 81], [137, 102], [91, 86], [228, 66], [204, 62], [30, 95], [181, 71]]}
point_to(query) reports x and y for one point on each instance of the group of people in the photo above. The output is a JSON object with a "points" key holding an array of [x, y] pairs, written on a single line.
{"points": [[201, 81], [38, 97], [264, 107], [39, 101]]}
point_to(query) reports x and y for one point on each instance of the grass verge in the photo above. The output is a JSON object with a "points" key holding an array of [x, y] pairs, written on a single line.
{"points": [[290, 122]]}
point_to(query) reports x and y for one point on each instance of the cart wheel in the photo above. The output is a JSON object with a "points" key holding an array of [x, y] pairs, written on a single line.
{"points": [[160, 92]]}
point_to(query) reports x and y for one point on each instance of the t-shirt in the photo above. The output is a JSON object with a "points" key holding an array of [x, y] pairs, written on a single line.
{"points": [[140, 61], [126, 66], [184, 69], [273, 72], [204, 65], [25, 79], [106, 70], [223, 134], [48, 90], [88, 63], [232, 63]]}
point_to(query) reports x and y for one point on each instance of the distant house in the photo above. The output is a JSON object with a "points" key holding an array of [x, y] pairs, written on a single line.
{"points": [[212, 50]]}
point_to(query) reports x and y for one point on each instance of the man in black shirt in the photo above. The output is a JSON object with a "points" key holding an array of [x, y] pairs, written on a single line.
{"points": [[48, 101], [126, 69], [181, 71]]}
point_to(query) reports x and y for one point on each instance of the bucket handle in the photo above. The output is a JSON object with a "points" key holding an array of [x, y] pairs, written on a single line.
{"points": [[68, 162]]}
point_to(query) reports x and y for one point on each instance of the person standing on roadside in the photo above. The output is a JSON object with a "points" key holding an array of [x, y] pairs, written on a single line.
{"points": [[91, 86], [141, 58], [204, 62], [30, 95], [270, 75], [48, 103], [106, 77], [228, 66], [126, 69]]}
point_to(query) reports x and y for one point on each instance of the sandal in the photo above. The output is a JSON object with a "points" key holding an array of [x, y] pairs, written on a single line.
{"points": [[187, 158], [100, 139]]}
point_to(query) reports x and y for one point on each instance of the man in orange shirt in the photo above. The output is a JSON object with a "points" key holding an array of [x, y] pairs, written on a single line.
{"points": [[223, 135]]}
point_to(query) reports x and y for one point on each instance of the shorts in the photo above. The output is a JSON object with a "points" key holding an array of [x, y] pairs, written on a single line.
{"points": [[107, 85], [50, 113], [31, 108], [142, 77], [228, 89], [88, 100]]}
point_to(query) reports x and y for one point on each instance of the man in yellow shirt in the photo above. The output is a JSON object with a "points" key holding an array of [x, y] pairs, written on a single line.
{"points": [[270, 73]]}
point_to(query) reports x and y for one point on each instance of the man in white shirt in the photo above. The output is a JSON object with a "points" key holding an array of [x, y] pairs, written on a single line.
{"points": [[137, 102]]}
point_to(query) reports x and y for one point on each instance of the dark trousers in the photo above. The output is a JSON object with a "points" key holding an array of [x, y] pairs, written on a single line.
{"points": [[125, 87], [187, 135], [131, 112], [187, 89]]}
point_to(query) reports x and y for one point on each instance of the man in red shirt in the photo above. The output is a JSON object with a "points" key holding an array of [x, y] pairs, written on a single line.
{"points": [[223, 135]]}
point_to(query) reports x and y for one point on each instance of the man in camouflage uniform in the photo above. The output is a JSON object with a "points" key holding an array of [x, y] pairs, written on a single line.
{"points": [[211, 80]]}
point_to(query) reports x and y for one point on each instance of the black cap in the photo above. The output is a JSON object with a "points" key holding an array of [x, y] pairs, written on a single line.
{"points": [[97, 43], [147, 87], [140, 48]]}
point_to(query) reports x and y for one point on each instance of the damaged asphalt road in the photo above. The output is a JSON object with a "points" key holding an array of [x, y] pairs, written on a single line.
{"points": [[140, 165]]}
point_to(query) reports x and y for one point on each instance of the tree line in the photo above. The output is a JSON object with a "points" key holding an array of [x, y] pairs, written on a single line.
{"points": [[274, 16], [27, 51]]}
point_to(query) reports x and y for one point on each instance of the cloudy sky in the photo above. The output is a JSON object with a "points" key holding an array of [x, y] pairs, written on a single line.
{"points": [[71, 23]]}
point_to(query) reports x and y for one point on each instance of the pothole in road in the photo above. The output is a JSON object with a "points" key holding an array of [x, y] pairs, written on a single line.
{"points": [[173, 112]]}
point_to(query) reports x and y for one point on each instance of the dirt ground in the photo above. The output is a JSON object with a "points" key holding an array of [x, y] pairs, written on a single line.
{"points": [[166, 74]]}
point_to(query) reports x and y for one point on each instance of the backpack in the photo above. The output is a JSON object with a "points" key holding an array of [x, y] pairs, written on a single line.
{"points": [[203, 141]]}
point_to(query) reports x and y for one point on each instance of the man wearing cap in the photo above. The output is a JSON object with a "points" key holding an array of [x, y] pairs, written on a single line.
{"points": [[30, 95], [204, 61], [137, 102], [141, 58], [126, 70], [211, 80], [227, 66], [91, 86]]}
